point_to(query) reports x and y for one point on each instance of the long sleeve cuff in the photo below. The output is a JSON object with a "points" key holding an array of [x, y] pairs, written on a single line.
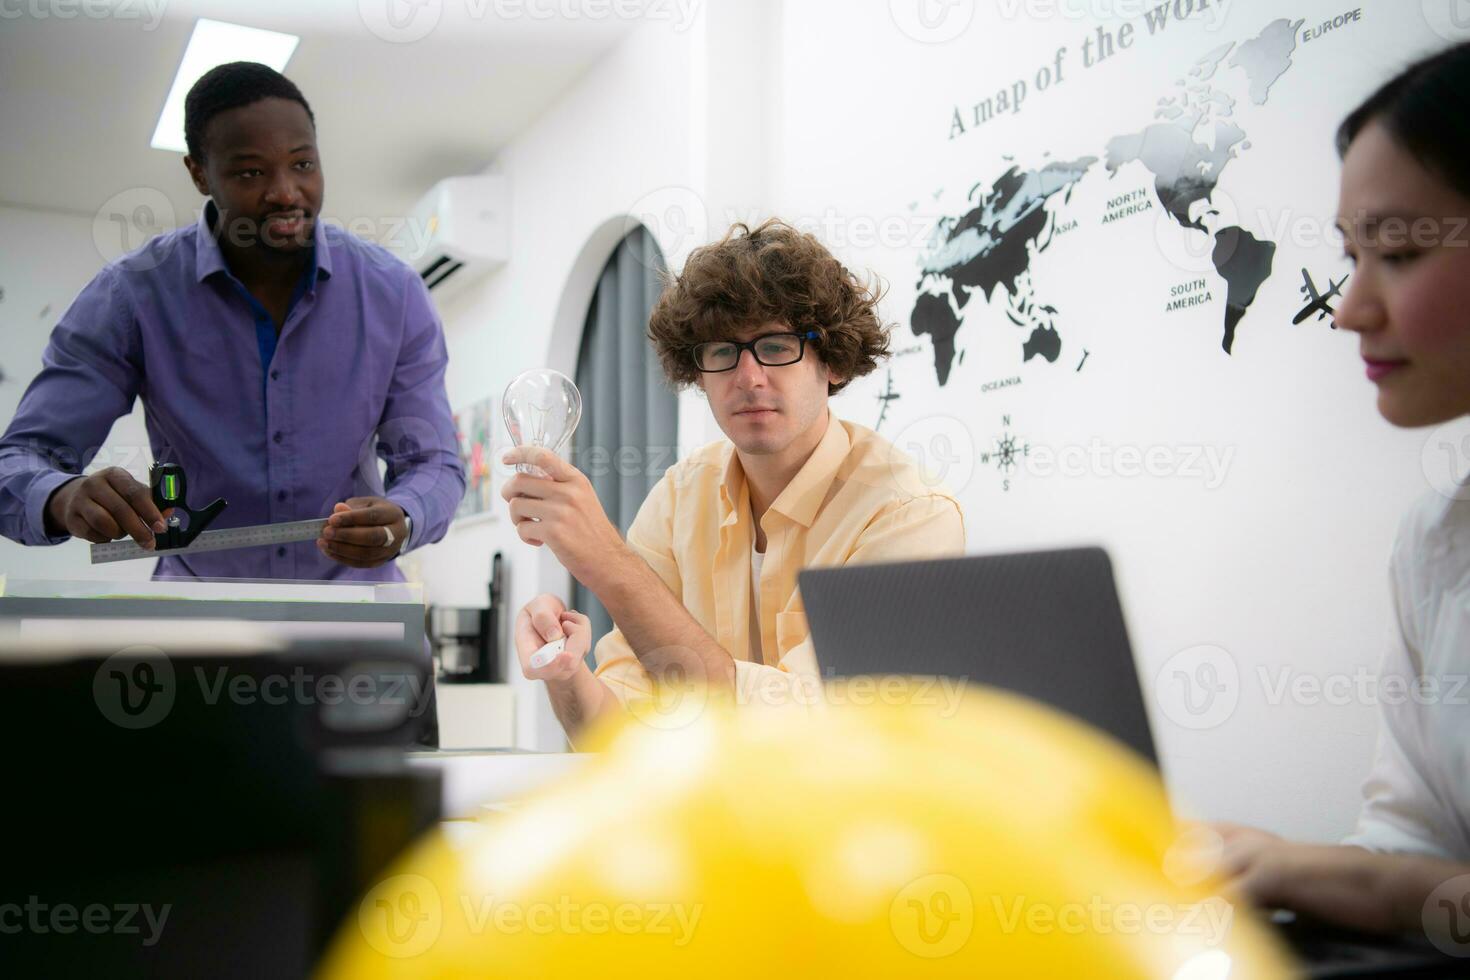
{"points": [[37, 496], [413, 507]]}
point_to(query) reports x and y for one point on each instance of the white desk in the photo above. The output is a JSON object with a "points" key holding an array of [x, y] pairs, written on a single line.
{"points": [[473, 779], [476, 716]]}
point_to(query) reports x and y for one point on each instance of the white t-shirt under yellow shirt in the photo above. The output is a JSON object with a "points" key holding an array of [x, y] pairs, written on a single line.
{"points": [[756, 558]]}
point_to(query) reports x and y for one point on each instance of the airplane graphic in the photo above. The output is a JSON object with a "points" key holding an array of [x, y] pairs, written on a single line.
{"points": [[1318, 302]]}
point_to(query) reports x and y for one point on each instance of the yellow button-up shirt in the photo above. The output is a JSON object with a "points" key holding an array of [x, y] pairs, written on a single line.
{"points": [[856, 500]]}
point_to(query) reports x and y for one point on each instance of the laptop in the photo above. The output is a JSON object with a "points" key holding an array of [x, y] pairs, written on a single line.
{"points": [[1047, 625]]}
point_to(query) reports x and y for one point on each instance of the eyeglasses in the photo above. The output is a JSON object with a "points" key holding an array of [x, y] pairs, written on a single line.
{"points": [[769, 350]]}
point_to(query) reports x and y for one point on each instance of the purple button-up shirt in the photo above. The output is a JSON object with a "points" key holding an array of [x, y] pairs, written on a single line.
{"points": [[357, 375]]}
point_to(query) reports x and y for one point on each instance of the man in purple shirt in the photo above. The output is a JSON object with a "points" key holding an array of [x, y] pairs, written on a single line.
{"points": [[278, 360]]}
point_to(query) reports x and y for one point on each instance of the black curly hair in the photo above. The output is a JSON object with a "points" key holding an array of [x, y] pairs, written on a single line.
{"points": [[230, 86]]}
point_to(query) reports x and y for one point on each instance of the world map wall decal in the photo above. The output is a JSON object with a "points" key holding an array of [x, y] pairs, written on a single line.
{"points": [[1011, 222]]}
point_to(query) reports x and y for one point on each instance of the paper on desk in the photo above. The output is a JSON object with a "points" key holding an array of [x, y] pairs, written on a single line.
{"points": [[55, 640], [474, 779], [232, 633], [197, 590]]}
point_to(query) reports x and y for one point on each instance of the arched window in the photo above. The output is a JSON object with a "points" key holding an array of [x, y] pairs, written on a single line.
{"points": [[629, 413]]}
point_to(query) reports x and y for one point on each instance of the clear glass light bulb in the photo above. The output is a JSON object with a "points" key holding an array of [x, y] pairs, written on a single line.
{"points": [[541, 408]]}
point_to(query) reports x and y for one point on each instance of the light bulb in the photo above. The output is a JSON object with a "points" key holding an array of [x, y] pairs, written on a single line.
{"points": [[541, 408]]}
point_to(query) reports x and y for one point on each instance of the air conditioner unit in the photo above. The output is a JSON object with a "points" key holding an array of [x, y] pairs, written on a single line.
{"points": [[458, 232]]}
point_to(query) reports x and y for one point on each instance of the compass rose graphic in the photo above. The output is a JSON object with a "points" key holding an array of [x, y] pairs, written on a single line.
{"points": [[1008, 453], [888, 396]]}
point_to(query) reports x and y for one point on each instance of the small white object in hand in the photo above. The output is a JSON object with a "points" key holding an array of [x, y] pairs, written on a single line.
{"points": [[547, 653]]}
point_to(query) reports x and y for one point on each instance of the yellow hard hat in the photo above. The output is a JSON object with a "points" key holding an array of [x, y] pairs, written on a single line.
{"points": [[916, 830]]}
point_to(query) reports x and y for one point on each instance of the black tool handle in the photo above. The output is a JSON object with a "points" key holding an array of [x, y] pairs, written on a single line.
{"points": [[170, 492]]}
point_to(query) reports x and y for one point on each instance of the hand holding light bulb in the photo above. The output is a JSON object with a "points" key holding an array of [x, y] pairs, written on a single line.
{"points": [[554, 504], [541, 408]]}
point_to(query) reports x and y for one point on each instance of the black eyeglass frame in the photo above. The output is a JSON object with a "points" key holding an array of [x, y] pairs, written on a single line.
{"points": [[801, 339]]}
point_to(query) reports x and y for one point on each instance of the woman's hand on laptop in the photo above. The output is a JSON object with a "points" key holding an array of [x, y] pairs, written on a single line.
{"points": [[1253, 860], [545, 619], [1341, 884]]}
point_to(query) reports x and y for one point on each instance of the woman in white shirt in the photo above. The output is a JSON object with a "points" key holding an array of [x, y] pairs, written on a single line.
{"points": [[1404, 209]]}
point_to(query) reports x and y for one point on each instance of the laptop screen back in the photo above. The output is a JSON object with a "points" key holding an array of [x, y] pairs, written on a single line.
{"points": [[1047, 625]]}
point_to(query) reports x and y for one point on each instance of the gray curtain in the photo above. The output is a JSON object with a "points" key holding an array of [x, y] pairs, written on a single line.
{"points": [[629, 413]]}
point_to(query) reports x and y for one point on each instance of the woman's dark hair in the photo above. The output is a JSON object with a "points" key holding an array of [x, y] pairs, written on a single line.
{"points": [[1427, 111]]}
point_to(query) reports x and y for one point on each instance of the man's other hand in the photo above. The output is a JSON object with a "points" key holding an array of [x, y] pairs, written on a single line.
{"points": [[364, 532], [544, 620]]}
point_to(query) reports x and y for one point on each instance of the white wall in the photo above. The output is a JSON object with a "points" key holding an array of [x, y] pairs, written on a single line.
{"points": [[1282, 565], [46, 257]]}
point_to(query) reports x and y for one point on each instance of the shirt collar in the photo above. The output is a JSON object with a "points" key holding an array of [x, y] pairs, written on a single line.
{"points": [[208, 259], [804, 495]]}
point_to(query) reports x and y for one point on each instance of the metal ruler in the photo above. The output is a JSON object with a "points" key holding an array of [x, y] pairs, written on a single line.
{"points": [[224, 539]]}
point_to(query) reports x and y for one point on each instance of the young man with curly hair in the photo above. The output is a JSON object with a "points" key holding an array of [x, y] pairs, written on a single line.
{"points": [[768, 324]]}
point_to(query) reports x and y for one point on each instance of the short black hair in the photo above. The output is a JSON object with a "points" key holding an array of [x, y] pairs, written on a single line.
{"points": [[1426, 108], [231, 86]]}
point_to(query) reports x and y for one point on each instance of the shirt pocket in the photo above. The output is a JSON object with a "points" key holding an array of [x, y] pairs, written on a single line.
{"points": [[791, 629]]}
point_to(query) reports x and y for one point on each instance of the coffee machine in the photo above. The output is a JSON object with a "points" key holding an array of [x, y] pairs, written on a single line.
{"points": [[465, 639]]}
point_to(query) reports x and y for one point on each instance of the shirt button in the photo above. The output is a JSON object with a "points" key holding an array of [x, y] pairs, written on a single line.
{"points": [[281, 495], [280, 552], [279, 438], [275, 375]]}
